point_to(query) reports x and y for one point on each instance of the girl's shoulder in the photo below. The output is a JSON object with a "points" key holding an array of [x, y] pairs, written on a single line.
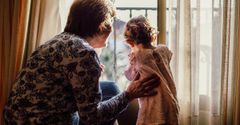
{"points": [[164, 52], [162, 48]]}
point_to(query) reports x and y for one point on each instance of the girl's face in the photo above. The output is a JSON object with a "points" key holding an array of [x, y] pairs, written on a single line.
{"points": [[130, 43]]}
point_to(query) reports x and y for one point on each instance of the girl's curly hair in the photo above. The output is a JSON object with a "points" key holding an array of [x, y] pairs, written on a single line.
{"points": [[139, 30]]}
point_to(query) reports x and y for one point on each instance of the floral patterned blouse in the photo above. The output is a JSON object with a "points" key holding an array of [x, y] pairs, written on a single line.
{"points": [[60, 78]]}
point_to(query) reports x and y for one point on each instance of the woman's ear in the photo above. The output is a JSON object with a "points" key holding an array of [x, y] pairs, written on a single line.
{"points": [[106, 26]]}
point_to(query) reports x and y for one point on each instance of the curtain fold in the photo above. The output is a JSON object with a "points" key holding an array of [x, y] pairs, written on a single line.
{"points": [[20, 38], [236, 68], [216, 60], [180, 44], [10, 11], [227, 87], [185, 61]]}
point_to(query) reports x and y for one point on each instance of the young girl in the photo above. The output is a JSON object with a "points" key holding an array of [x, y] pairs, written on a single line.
{"points": [[146, 60]]}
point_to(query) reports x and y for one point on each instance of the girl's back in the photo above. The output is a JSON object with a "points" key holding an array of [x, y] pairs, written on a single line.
{"points": [[148, 60], [162, 108]]}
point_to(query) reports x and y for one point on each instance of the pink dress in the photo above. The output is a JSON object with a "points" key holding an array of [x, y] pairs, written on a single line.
{"points": [[162, 108]]}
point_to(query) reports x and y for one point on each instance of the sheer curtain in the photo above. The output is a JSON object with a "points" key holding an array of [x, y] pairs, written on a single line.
{"points": [[236, 68], [201, 35], [44, 23]]}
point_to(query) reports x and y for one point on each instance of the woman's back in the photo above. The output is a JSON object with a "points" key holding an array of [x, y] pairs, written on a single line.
{"points": [[42, 93]]}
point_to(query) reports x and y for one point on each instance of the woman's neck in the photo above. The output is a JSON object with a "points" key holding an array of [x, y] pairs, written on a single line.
{"points": [[91, 41]]}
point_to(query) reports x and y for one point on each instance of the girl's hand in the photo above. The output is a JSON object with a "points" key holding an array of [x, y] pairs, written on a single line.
{"points": [[102, 67]]}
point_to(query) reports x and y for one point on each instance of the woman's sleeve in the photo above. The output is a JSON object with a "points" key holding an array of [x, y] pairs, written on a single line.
{"points": [[85, 83]]}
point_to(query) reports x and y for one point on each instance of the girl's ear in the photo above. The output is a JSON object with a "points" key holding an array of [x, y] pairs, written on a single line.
{"points": [[154, 37]]}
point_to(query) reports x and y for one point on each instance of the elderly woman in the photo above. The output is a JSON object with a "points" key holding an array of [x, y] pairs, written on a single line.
{"points": [[62, 75]]}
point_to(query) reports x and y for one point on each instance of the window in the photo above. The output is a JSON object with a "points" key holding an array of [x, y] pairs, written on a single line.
{"points": [[115, 55]]}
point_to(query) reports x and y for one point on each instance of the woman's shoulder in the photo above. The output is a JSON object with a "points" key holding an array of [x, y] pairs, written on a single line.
{"points": [[72, 40], [65, 44]]}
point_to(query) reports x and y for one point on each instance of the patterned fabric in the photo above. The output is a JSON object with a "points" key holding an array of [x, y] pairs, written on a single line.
{"points": [[162, 108], [60, 78]]}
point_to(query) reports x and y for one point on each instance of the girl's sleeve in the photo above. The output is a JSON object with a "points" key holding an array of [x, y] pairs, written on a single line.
{"points": [[83, 74], [130, 71]]}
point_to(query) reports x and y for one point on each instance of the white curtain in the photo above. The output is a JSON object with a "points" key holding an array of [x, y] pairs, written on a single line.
{"points": [[44, 23], [201, 36]]}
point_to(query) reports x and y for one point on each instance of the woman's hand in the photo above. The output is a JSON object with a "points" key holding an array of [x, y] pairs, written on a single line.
{"points": [[141, 88]]}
